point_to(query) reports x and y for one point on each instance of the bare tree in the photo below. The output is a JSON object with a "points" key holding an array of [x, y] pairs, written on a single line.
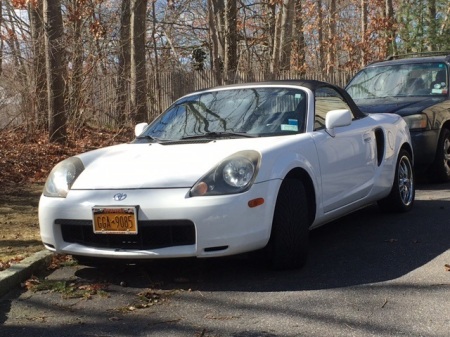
{"points": [[55, 70], [76, 58], [301, 46], [287, 18], [363, 31], [391, 45], [123, 73], [432, 23], [269, 31], [231, 38], [138, 67], [331, 45], [216, 9], [1, 40], [39, 75], [321, 40]]}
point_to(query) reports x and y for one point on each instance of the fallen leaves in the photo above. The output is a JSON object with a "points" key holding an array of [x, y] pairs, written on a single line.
{"points": [[447, 267], [149, 298], [67, 288], [59, 260], [28, 156], [9, 263]]}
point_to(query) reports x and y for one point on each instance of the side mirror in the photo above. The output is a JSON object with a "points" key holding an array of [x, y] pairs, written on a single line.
{"points": [[139, 128], [337, 118]]}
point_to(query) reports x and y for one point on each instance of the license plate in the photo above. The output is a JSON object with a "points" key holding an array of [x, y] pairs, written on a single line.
{"points": [[114, 220]]}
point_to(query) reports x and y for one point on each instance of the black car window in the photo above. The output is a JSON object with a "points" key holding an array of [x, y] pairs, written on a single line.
{"points": [[400, 80]]}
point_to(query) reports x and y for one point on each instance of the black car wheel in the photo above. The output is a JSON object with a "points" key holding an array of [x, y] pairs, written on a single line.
{"points": [[440, 171], [401, 197], [288, 244]]}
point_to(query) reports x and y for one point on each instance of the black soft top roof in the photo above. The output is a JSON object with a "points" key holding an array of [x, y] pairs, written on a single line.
{"points": [[310, 84]]}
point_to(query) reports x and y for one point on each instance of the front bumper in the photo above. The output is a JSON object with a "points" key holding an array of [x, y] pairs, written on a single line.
{"points": [[213, 225], [424, 146]]}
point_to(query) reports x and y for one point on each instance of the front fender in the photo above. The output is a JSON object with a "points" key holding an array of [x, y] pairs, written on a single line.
{"points": [[299, 155]]}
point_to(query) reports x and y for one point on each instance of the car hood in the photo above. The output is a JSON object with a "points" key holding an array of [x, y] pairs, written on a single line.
{"points": [[156, 165], [403, 106]]}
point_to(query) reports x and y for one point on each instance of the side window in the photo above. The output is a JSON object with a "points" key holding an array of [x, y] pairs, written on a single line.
{"points": [[327, 99]]}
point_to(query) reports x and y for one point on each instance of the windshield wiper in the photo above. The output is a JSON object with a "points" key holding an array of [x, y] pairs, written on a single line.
{"points": [[147, 137], [220, 135]]}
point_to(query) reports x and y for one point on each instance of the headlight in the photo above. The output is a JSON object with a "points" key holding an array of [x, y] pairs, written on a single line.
{"points": [[419, 121], [62, 177], [235, 174]]}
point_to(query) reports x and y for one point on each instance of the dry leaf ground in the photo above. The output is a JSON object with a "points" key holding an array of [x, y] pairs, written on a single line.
{"points": [[19, 237], [26, 158]]}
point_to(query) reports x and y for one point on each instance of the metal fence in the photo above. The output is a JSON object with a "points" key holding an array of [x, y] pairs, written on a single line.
{"points": [[167, 87], [164, 88]]}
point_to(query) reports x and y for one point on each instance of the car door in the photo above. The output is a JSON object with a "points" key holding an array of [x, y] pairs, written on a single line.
{"points": [[348, 158]]}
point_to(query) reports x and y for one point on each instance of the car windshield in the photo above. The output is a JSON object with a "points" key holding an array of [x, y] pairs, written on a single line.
{"points": [[414, 79], [232, 113]]}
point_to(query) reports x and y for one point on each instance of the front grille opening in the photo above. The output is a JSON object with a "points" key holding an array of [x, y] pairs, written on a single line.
{"points": [[151, 235]]}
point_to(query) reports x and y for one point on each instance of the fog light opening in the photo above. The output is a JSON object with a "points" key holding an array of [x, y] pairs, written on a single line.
{"points": [[49, 246], [215, 249]]}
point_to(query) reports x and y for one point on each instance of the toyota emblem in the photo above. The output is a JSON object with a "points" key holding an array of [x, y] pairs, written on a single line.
{"points": [[120, 196]]}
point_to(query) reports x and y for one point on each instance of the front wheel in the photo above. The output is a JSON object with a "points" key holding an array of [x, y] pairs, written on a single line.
{"points": [[401, 197], [440, 170], [288, 244]]}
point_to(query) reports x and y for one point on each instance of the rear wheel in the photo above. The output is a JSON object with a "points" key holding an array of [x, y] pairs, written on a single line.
{"points": [[440, 171], [288, 244], [403, 191]]}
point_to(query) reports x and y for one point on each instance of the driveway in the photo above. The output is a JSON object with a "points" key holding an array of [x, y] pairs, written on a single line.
{"points": [[369, 274]]}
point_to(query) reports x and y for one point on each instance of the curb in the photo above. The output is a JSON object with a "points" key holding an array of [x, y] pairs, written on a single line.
{"points": [[19, 272]]}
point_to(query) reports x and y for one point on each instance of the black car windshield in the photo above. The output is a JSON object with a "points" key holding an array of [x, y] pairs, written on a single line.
{"points": [[400, 80], [232, 113]]}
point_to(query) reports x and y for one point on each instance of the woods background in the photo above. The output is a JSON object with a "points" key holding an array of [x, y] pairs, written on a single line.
{"points": [[70, 63]]}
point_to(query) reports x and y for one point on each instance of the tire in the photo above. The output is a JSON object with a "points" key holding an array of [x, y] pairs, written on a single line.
{"points": [[401, 197], [288, 244], [440, 170]]}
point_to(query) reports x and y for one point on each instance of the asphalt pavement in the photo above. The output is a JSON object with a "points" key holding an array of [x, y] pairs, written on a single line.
{"points": [[368, 274]]}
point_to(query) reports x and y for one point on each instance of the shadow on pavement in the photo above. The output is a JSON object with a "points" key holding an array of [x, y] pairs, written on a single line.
{"points": [[365, 247]]}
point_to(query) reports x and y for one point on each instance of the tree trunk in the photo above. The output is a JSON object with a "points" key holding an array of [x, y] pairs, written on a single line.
{"points": [[156, 73], [55, 70], [230, 61], [363, 32], [275, 61], [321, 56], [270, 23], [77, 76], [432, 25], [286, 34], [301, 46], [331, 54], [391, 44], [1, 40], [216, 9], [123, 73], [40, 76], [138, 69]]}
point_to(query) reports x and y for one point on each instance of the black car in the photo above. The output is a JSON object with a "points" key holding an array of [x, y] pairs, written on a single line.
{"points": [[417, 88]]}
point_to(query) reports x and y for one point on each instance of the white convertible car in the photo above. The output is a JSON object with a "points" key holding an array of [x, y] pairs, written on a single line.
{"points": [[229, 170]]}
